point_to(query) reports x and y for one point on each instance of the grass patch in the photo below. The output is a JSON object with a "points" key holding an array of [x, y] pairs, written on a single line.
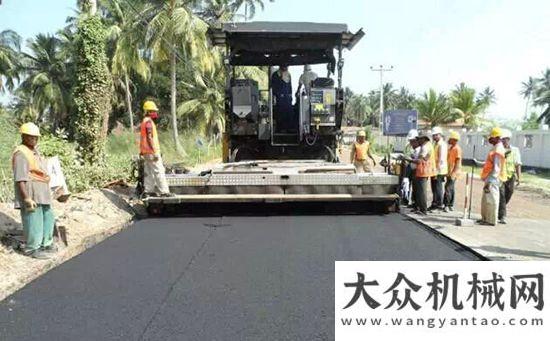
{"points": [[121, 148]]}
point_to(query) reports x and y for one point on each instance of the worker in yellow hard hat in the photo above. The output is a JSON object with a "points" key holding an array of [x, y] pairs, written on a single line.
{"points": [[493, 175], [441, 169], [154, 179], [454, 165], [513, 174], [360, 150], [32, 194]]}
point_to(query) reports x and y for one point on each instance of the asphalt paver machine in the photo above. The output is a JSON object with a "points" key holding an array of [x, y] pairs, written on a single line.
{"points": [[262, 162]]}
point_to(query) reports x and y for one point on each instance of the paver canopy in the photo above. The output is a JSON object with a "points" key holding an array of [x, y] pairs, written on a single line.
{"points": [[289, 43]]}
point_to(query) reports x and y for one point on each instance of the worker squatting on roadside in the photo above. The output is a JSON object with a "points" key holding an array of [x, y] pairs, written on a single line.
{"points": [[360, 150], [32, 194], [154, 179]]}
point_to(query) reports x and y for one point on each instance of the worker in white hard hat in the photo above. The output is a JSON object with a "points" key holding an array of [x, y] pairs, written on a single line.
{"points": [[305, 80], [32, 194], [411, 152], [513, 174], [454, 164], [425, 169], [441, 169], [360, 150], [154, 178]]}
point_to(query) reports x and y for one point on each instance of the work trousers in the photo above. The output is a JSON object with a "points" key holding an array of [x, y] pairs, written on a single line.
{"points": [[437, 190], [38, 227], [414, 186], [154, 177], [489, 204], [421, 194], [506, 191], [362, 166], [449, 199]]}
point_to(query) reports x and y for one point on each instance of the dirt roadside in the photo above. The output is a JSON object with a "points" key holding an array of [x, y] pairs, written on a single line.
{"points": [[89, 218]]}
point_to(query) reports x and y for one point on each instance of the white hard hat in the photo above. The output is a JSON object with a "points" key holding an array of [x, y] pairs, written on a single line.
{"points": [[412, 135], [437, 130], [506, 134]]}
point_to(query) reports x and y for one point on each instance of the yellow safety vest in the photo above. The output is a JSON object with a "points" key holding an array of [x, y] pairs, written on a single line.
{"points": [[361, 150], [36, 173]]}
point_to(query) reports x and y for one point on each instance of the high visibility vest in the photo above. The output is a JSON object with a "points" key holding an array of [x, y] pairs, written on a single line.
{"points": [[453, 155], [361, 150], [426, 168], [498, 151], [36, 173], [510, 164], [144, 147], [441, 165]]}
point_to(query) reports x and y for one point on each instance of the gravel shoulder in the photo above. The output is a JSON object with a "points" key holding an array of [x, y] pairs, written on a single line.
{"points": [[88, 218]]}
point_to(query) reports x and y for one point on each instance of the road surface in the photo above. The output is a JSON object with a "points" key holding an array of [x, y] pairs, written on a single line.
{"points": [[226, 278]]}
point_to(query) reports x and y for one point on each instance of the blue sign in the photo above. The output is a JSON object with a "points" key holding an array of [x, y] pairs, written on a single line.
{"points": [[399, 122]]}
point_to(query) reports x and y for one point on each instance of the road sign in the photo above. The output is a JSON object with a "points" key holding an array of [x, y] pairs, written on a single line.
{"points": [[399, 122]]}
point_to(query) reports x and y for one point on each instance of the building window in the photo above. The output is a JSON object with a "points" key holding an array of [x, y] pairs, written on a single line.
{"points": [[469, 140], [528, 141]]}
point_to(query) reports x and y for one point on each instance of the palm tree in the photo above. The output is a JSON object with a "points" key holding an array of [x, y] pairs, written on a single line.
{"points": [[10, 47], [469, 106], [527, 89], [125, 36], [173, 33], [359, 109], [434, 108], [542, 95], [404, 99], [46, 78]]}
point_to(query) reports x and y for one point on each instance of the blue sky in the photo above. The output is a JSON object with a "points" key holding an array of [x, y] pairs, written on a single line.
{"points": [[431, 43]]}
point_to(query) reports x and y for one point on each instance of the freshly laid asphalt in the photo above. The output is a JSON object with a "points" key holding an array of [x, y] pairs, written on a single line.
{"points": [[225, 278]]}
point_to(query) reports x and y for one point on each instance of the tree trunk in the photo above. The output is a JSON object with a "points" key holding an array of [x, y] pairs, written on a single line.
{"points": [[527, 107], [173, 100], [129, 101]]}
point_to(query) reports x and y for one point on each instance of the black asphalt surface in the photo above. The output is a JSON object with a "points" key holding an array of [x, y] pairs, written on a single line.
{"points": [[229, 278]]}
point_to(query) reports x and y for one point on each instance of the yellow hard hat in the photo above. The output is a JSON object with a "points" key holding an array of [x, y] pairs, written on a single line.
{"points": [[30, 129], [496, 132], [361, 133], [454, 135], [150, 106]]}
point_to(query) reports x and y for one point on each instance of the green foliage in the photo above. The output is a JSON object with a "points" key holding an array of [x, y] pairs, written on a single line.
{"points": [[435, 108], [93, 90], [10, 44], [531, 123], [469, 105]]}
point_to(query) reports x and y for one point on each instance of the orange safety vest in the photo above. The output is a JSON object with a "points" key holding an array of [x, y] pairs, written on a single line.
{"points": [[427, 168], [489, 163], [35, 172], [144, 147], [454, 154], [361, 150]]}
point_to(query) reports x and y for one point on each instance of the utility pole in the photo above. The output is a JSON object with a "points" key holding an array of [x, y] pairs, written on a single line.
{"points": [[381, 69]]}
